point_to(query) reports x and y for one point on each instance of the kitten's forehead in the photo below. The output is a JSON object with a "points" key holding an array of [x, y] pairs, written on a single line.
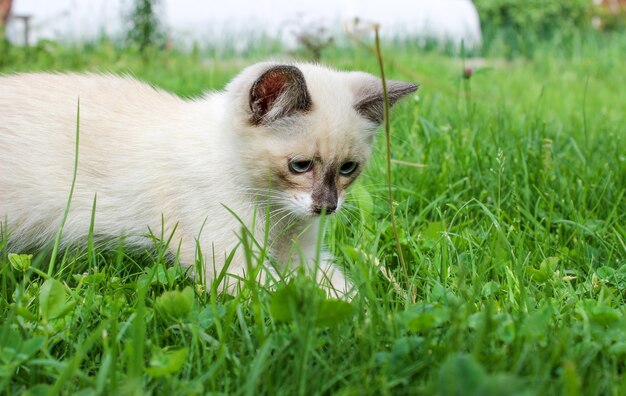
{"points": [[323, 147], [334, 127], [327, 136], [330, 90]]}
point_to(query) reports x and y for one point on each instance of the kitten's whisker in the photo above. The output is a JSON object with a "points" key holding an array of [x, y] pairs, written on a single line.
{"points": [[278, 222], [344, 216], [263, 190], [276, 217], [280, 212]]}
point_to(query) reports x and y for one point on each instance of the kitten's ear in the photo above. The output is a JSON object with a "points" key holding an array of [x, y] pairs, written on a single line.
{"points": [[280, 91], [369, 96]]}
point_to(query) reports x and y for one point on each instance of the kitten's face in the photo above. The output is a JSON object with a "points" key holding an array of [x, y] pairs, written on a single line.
{"points": [[307, 132], [317, 182], [313, 174]]}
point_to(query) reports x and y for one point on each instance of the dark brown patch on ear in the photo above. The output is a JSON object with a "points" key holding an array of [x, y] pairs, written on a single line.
{"points": [[278, 92], [371, 105]]}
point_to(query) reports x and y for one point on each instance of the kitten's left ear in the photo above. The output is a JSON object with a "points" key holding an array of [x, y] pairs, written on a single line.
{"points": [[280, 91], [369, 96]]}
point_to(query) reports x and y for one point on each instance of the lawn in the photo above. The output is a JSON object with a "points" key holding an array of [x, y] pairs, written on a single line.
{"points": [[513, 232]]}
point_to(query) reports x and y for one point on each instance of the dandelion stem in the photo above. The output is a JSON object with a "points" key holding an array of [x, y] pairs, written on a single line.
{"points": [[388, 143], [57, 242]]}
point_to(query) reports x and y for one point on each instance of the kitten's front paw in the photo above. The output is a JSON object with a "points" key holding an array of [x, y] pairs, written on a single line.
{"points": [[334, 283]]}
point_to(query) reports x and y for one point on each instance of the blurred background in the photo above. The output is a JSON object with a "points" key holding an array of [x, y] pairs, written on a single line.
{"points": [[483, 25], [189, 20]]}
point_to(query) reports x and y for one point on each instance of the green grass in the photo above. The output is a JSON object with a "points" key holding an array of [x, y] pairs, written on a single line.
{"points": [[514, 235]]}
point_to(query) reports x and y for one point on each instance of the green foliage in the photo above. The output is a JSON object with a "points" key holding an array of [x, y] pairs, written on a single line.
{"points": [[145, 30], [21, 262], [297, 304], [54, 301], [513, 234], [612, 17], [522, 23], [543, 17], [166, 363], [175, 305], [461, 374]]}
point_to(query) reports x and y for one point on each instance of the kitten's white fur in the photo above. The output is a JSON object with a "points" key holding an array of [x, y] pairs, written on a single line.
{"points": [[152, 156]]}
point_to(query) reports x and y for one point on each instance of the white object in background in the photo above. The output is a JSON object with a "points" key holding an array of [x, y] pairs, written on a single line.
{"points": [[193, 20]]}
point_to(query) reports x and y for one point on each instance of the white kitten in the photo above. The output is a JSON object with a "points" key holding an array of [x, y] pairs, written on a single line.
{"points": [[283, 140]]}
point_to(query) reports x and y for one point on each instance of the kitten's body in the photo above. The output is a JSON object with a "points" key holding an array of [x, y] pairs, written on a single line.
{"points": [[152, 157]]}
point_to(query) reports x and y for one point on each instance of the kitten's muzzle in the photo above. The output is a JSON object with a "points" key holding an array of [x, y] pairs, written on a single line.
{"points": [[325, 196], [330, 208]]}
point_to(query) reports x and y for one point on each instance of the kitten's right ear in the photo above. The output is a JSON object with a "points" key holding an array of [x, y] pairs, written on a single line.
{"points": [[369, 95], [280, 91]]}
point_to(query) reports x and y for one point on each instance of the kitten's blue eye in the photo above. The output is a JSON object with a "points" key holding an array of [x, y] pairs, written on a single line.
{"points": [[300, 166], [348, 168]]}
